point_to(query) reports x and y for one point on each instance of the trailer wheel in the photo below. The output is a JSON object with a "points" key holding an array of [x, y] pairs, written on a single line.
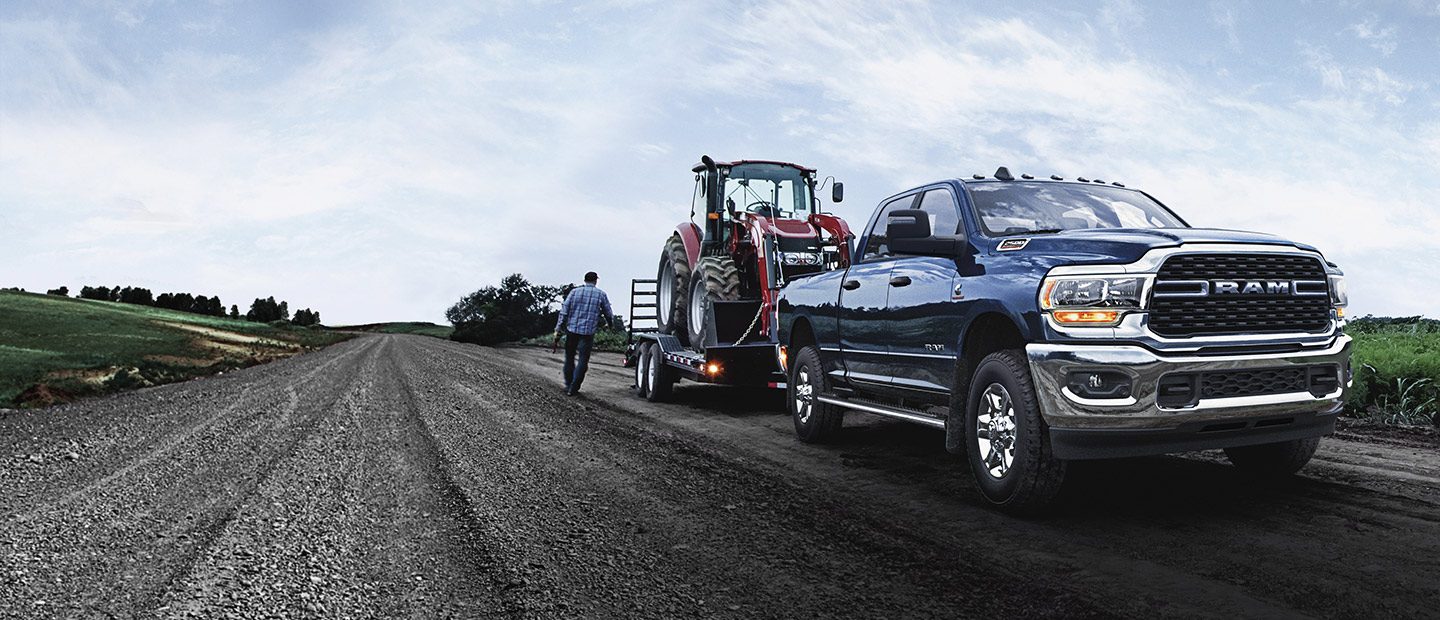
{"points": [[1273, 460], [1007, 443], [660, 376], [715, 278], [672, 289], [642, 369], [815, 422]]}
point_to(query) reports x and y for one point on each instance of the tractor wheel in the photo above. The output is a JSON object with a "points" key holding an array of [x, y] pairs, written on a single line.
{"points": [[672, 287], [716, 278]]}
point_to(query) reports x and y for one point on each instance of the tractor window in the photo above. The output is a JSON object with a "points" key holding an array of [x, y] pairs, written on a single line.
{"points": [[768, 190], [876, 245]]}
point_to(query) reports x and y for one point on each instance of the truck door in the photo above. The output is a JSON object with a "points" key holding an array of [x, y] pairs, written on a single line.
{"points": [[924, 321], [864, 292]]}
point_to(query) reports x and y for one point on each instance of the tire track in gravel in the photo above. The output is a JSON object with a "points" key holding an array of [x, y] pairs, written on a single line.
{"points": [[721, 537], [134, 538], [355, 523]]}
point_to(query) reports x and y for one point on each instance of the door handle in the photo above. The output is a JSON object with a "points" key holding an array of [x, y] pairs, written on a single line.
{"points": [[850, 285], [900, 281]]}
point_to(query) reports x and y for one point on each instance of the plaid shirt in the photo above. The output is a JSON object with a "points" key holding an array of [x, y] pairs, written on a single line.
{"points": [[583, 309]]}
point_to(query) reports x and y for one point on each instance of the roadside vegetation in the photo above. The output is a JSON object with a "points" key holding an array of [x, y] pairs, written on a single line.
{"points": [[55, 348], [518, 311], [1397, 370]]}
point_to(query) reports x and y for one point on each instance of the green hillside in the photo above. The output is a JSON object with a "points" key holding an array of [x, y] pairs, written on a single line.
{"points": [[54, 349], [413, 327]]}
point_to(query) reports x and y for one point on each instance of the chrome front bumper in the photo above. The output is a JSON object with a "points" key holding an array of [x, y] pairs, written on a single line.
{"points": [[1063, 410]]}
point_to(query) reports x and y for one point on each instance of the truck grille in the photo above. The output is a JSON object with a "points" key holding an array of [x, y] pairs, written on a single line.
{"points": [[1255, 382], [1243, 313]]}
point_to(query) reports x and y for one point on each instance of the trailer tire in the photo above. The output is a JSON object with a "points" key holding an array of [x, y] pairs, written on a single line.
{"points": [[661, 381], [672, 289], [1273, 460], [1002, 400], [815, 422], [642, 369], [715, 278]]}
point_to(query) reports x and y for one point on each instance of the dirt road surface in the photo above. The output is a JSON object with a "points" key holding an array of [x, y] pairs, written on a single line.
{"points": [[404, 476]]}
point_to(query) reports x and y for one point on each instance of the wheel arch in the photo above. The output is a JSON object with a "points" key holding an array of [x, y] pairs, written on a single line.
{"points": [[690, 236], [987, 333]]}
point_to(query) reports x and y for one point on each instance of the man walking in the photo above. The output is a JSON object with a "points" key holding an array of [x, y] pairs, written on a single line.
{"points": [[580, 315]]}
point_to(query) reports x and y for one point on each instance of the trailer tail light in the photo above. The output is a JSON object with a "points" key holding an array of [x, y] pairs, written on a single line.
{"points": [[712, 369]]}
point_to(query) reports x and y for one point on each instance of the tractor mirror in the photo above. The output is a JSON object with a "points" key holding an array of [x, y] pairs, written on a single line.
{"points": [[837, 192]]}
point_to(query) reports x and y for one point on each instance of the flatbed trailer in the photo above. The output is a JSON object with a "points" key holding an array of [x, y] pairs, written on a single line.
{"points": [[734, 355]]}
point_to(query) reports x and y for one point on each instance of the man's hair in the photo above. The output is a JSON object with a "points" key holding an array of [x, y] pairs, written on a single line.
{"points": [[592, 277]]}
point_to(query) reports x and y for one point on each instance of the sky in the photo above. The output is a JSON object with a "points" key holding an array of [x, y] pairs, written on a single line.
{"points": [[376, 161]]}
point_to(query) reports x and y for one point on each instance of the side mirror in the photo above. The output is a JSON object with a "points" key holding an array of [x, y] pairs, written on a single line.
{"points": [[908, 232], [837, 192]]}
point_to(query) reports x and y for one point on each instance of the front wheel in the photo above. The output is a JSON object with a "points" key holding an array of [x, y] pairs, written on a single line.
{"points": [[1008, 446], [1273, 460], [815, 422]]}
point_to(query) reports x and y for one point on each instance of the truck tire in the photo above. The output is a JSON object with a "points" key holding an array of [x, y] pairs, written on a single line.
{"points": [[1008, 445], [672, 288], [642, 369], [661, 380], [1273, 460], [815, 422], [715, 278]]}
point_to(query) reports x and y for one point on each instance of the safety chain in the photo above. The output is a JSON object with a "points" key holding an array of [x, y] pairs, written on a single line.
{"points": [[753, 323]]}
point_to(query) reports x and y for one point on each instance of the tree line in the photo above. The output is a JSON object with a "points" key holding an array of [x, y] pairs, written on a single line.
{"points": [[513, 311], [261, 310]]}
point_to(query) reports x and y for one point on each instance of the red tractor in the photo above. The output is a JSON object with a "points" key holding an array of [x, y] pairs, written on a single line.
{"points": [[715, 290]]}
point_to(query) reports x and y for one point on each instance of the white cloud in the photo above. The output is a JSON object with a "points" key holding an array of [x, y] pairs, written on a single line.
{"points": [[1380, 38]]}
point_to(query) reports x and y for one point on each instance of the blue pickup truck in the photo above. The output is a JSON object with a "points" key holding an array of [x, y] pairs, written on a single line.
{"points": [[1040, 321]]}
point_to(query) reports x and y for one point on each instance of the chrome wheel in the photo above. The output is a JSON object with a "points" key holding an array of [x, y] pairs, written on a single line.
{"points": [[995, 431], [804, 395]]}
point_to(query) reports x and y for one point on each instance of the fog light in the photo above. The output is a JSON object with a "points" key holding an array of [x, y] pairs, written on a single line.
{"points": [[1099, 384]]}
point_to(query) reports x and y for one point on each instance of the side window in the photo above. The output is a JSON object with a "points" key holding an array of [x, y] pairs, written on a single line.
{"points": [[875, 244], [939, 204]]}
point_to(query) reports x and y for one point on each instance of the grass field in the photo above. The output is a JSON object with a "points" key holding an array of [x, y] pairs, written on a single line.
{"points": [[414, 327], [53, 349], [1397, 372]]}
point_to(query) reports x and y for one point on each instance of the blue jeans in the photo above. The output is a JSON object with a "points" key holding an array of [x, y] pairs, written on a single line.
{"points": [[575, 371]]}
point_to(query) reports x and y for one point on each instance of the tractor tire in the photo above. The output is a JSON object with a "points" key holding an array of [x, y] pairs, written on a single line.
{"points": [[715, 278], [1008, 443], [672, 289]]}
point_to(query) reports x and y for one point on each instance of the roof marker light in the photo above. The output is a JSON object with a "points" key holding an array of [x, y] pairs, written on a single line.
{"points": [[977, 176], [1117, 184], [1056, 177], [1082, 179], [1027, 176]]}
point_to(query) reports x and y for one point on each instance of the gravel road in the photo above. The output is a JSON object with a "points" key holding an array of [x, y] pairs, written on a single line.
{"points": [[404, 476]]}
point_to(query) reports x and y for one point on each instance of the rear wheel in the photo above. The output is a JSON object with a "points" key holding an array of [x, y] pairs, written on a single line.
{"points": [[1273, 460], [815, 422], [672, 288], [1008, 446], [660, 377], [715, 278], [642, 369]]}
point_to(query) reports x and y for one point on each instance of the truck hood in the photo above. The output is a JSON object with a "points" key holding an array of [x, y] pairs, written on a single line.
{"points": [[1124, 245]]}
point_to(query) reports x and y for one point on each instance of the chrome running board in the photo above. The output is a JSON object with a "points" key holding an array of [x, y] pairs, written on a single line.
{"points": [[883, 411]]}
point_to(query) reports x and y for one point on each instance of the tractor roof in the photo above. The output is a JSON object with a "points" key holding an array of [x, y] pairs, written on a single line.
{"points": [[700, 167]]}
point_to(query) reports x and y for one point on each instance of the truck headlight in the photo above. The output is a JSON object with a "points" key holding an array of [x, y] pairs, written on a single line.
{"points": [[1339, 294], [1091, 300]]}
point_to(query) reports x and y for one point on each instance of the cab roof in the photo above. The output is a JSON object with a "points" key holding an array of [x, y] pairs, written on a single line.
{"points": [[700, 167]]}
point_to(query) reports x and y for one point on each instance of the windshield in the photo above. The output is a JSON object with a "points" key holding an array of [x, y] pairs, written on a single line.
{"points": [[1012, 208], [771, 190]]}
